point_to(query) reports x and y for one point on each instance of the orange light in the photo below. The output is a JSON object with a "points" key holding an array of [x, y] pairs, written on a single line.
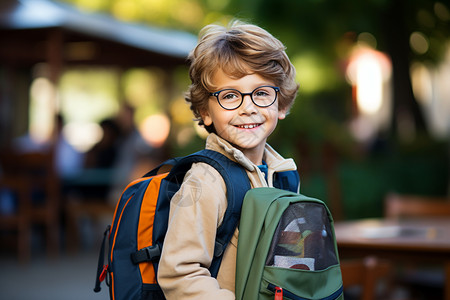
{"points": [[155, 129]]}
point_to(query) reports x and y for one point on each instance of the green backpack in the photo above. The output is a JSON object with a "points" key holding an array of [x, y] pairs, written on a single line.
{"points": [[287, 248]]}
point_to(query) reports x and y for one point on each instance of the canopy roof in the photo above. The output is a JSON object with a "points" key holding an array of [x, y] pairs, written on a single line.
{"points": [[28, 28]]}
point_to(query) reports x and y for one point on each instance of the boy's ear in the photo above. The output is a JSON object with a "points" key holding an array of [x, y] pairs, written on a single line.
{"points": [[282, 114], [206, 118]]}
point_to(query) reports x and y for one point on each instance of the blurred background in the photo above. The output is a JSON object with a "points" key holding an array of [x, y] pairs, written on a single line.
{"points": [[91, 97]]}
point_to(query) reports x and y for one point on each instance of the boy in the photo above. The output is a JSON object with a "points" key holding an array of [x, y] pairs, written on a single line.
{"points": [[242, 84]]}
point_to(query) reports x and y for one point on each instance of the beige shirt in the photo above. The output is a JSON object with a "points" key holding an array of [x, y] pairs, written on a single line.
{"points": [[196, 211]]}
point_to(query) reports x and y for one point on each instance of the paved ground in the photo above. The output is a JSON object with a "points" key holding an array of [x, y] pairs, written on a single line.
{"points": [[66, 278]]}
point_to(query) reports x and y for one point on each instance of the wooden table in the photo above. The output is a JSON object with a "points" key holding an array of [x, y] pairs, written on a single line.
{"points": [[421, 240]]}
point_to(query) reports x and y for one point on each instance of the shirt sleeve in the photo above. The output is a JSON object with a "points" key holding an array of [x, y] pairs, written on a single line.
{"points": [[196, 211]]}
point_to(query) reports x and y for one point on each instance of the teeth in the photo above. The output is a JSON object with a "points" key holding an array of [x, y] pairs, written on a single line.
{"points": [[248, 126]]}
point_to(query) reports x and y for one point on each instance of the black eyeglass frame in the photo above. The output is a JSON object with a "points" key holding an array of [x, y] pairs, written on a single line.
{"points": [[216, 94]]}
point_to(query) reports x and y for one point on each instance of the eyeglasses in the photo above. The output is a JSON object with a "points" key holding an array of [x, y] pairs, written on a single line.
{"points": [[263, 96]]}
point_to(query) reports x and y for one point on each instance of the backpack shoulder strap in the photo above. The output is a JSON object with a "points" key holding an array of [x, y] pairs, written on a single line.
{"points": [[287, 180], [237, 184], [163, 167]]}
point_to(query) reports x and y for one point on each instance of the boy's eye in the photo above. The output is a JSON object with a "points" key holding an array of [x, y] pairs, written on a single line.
{"points": [[261, 93], [229, 96]]}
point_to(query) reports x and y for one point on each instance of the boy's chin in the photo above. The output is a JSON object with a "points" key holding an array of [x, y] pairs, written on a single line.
{"points": [[245, 145]]}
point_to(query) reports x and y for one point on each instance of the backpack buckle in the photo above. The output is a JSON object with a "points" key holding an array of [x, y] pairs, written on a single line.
{"points": [[146, 254]]}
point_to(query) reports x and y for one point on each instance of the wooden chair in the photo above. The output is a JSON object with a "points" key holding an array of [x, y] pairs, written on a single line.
{"points": [[16, 188], [75, 210], [414, 275], [32, 179], [365, 273], [412, 206]]}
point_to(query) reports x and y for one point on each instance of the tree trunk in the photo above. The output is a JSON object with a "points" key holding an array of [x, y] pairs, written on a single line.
{"points": [[407, 117]]}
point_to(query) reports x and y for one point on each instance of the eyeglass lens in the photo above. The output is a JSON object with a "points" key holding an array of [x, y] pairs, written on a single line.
{"points": [[262, 96]]}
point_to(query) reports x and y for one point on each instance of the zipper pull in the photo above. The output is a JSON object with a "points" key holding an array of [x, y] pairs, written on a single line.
{"points": [[278, 293], [103, 274]]}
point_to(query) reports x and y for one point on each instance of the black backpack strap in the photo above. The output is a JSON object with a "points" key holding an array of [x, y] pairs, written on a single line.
{"points": [[237, 184], [101, 267]]}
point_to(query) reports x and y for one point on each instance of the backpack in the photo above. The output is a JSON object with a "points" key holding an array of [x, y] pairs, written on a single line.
{"points": [[139, 225], [293, 253]]}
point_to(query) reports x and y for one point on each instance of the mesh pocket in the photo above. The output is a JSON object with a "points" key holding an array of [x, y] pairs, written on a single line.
{"points": [[303, 239]]}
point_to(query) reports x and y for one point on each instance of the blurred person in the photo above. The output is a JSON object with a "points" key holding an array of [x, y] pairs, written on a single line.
{"points": [[242, 83], [134, 155], [104, 153], [68, 160], [99, 164]]}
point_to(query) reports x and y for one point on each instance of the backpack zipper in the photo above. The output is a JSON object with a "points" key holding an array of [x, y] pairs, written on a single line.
{"points": [[278, 291]]}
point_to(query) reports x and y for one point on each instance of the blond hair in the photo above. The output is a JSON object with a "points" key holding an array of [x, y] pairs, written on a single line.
{"points": [[238, 50]]}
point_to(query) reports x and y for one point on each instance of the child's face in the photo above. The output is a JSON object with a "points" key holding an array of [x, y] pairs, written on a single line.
{"points": [[248, 126]]}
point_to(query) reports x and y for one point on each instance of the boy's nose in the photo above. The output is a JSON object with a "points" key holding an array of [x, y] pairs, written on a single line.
{"points": [[247, 105]]}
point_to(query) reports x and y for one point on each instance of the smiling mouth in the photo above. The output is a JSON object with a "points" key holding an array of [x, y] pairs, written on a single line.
{"points": [[248, 126]]}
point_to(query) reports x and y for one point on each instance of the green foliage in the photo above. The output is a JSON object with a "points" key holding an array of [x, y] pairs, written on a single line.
{"points": [[318, 35]]}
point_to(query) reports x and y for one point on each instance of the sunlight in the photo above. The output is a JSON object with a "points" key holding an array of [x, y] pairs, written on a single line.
{"points": [[87, 96], [95, 89], [92, 5], [368, 39], [139, 85], [367, 71], [42, 109], [432, 91], [369, 85], [156, 11], [188, 13], [83, 135], [155, 129], [422, 83], [419, 42], [126, 10]]}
